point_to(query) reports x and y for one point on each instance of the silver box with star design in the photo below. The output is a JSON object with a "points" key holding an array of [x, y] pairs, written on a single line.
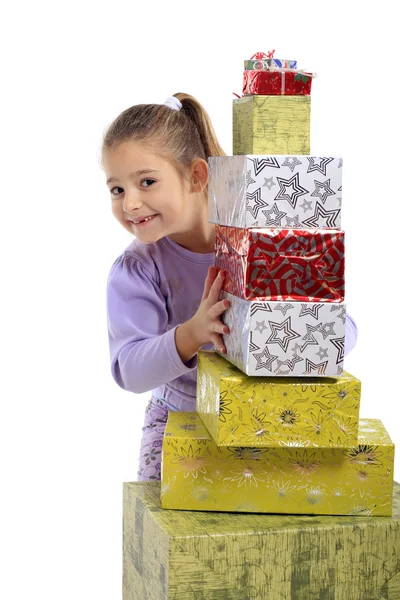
{"points": [[275, 191], [285, 338]]}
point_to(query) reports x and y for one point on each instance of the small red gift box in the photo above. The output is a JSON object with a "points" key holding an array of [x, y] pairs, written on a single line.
{"points": [[282, 264], [276, 82]]}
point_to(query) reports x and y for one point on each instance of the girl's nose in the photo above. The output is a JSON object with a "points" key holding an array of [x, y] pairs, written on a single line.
{"points": [[132, 201]]}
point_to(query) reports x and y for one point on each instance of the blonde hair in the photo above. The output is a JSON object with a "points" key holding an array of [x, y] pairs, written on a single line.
{"points": [[178, 136]]}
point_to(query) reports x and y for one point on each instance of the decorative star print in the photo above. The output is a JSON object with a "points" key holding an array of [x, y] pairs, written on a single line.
{"points": [[327, 329], [318, 163], [290, 363], [267, 363], [269, 182], [288, 333], [322, 353], [293, 221], [275, 221], [339, 345], [295, 348], [260, 163], [323, 185], [306, 205], [255, 197], [284, 307], [339, 198], [256, 306], [330, 217], [292, 162], [342, 313], [310, 339], [282, 372], [252, 345], [290, 190], [320, 367], [249, 179], [311, 309], [260, 326]]}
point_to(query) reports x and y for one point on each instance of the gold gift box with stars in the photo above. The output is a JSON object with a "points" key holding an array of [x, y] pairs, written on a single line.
{"points": [[240, 410], [199, 475]]}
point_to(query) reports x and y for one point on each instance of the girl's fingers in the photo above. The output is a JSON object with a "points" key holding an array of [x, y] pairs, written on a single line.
{"points": [[211, 275], [216, 287], [220, 307], [218, 343], [220, 327]]}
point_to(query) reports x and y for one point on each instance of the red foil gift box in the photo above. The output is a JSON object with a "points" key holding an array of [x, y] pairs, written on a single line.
{"points": [[282, 264], [276, 82]]}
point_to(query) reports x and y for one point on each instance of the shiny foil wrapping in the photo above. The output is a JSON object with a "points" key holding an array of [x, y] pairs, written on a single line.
{"points": [[241, 410], [275, 191], [279, 82], [285, 338], [295, 479], [282, 264]]}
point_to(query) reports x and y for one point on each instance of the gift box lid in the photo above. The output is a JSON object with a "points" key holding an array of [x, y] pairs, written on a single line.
{"points": [[182, 424]]}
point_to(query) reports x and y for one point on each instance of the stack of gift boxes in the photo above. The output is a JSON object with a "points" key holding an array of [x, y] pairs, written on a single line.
{"points": [[277, 427]]}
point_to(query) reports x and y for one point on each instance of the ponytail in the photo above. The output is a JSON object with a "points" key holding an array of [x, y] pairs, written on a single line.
{"points": [[179, 136], [198, 115]]}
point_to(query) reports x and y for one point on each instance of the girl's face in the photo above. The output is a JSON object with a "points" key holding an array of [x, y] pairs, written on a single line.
{"points": [[148, 197]]}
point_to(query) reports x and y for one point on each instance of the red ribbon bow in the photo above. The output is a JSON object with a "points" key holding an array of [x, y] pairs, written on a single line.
{"points": [[261, 55]]}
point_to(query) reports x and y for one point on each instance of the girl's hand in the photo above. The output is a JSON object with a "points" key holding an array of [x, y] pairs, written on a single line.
{"points": [[206, 323]]}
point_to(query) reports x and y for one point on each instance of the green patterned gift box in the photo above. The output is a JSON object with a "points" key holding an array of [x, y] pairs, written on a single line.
{"points": [[192, 555]]}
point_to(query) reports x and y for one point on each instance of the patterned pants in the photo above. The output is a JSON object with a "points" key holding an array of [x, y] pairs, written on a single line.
{"points": [[155, 419]]}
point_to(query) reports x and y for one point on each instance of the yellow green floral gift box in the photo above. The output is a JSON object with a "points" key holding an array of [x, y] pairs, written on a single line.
{"points": [[244, 410], [196, 474]]}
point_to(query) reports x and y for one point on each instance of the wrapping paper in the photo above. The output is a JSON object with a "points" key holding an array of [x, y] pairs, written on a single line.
{"points": [[195, 555], [282, 264], [267, 63], [239, 410], [275, 191], [285, 338], [271, 125], [281, 82], [199, 475]]}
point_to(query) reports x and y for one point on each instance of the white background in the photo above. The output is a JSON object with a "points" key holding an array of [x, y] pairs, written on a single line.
{"points": [[69, 436]]}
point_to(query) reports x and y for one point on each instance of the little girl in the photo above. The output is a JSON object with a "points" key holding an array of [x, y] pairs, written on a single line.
{"points": [[163, 290]]}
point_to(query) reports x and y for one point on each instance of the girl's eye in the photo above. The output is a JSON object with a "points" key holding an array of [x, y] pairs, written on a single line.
{"points": [[142, 183], [143, 180]]}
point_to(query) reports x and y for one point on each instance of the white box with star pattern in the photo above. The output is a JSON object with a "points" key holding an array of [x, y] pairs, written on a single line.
{"points": [[285, 338], [275, 191]]}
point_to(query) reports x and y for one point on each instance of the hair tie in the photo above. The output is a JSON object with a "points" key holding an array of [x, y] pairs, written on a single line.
{"points": [[173, 103]]}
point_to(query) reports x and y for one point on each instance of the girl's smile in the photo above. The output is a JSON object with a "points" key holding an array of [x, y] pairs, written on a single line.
{"points": [[141, 221]]}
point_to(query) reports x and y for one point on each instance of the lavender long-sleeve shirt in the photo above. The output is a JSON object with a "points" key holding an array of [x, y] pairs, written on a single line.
{"points": [[151, 289]]}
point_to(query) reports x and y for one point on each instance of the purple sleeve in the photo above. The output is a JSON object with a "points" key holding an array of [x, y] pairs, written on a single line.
{"points": [[351, 334], [143, 352]]}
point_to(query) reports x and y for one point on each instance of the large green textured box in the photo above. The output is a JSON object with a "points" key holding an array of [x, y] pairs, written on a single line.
{"points": [[271, 125], [195, 555]]}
